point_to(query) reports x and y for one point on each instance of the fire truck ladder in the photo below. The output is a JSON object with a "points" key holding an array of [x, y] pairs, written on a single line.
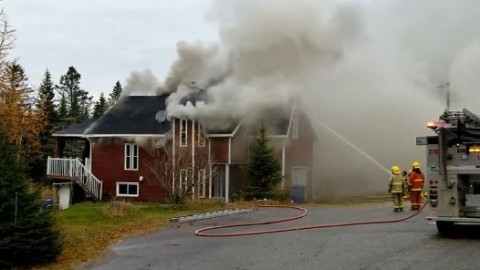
{"points": [[472, 116]]}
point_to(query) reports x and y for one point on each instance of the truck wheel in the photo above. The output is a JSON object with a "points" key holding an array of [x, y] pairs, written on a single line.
{"points": [[445, 228]]}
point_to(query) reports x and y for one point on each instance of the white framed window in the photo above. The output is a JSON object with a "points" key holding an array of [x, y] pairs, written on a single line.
{"points": [[183, 132], [183, 179], [201, 184], [127, 189], [131, 157], [200, 136], [295, 128]]}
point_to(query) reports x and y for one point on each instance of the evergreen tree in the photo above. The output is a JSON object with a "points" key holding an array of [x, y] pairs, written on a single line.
{"points": [[85, 105], [100, 106], [62, 113], [77, 100], [46, 106], [75, 106], [27, 234], [115, 94], [263, 168]]}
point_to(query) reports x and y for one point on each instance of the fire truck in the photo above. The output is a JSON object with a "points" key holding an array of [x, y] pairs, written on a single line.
{"points": [[453, 169]]}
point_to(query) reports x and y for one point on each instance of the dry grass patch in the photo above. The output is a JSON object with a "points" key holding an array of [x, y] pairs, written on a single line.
{"points": [[89, 228]]}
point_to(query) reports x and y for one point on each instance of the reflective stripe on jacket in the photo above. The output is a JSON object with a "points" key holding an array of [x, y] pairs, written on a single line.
{"points": [[415, 180], [396, 183]]}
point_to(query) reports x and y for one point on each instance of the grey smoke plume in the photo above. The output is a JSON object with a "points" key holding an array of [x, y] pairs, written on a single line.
{"points": [[266, 50], [368, 69], [386, 88], [196, 63], [142, 83]]}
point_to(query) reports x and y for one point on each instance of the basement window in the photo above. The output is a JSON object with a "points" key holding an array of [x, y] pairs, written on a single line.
{"points": [[131, 157], [183, 132], [127, 189]]}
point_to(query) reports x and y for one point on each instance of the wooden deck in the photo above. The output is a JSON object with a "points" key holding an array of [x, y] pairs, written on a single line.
{"points": [[71, 169]]}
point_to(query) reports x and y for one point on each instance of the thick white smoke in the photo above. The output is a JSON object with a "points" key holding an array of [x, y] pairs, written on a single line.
{"points": [[142, 83], [368, 69], [387, 86], [267, 51]]}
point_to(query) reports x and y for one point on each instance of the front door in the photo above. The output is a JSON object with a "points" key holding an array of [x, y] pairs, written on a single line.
{"points": [[299, 184]]}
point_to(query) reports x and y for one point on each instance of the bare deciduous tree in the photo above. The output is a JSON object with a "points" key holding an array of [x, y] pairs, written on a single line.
{"points": [[7, 39], [20, 120], [181, 175]]}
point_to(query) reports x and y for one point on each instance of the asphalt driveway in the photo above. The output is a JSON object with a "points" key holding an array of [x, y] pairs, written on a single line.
{"points": [[412, 244]]}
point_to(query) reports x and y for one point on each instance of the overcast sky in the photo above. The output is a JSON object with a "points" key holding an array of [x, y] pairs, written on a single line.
{"points": [[104, 40]]}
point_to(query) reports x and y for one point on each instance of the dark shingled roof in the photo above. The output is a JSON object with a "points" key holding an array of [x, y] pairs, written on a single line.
{"points": [[75, 130], [143, 115], [134, 115]]}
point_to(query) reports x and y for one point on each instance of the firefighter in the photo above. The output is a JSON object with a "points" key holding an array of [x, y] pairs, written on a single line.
{"points": [[415, 185], [405, 185], [395, 187]]}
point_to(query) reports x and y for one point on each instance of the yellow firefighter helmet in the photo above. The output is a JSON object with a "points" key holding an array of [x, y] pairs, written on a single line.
{"points": [[395, 170], [416, 165]]}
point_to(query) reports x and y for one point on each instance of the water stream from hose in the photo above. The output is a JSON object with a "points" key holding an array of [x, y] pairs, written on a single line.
{"points": [[345, 140]]}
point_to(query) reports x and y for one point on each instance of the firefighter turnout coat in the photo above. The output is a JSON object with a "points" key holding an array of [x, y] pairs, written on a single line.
{"points": [[415, 180], [396, 184]]}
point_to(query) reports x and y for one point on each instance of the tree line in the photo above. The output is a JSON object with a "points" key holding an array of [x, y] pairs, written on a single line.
{"points": [[31, 115], [27, 231], [28, 118]]}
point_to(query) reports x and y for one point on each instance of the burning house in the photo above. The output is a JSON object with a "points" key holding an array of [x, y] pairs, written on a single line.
{"points": [[124, 146]]}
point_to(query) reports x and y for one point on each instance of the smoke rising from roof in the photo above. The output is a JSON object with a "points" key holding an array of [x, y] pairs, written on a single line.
{"points": [[142, 83], [368, 70], [266, 50], [196, 62]]}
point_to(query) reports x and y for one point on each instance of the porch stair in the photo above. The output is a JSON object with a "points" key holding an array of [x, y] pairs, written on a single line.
{"points": [[73, 169]]}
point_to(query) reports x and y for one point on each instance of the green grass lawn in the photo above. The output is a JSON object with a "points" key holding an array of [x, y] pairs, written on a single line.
{"points": [[89, 228]]}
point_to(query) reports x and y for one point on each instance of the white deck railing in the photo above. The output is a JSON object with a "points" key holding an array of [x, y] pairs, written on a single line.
{"points": [[73, 168]]}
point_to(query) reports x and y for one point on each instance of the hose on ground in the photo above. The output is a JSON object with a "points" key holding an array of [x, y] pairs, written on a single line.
{"points": [[203, 231]]}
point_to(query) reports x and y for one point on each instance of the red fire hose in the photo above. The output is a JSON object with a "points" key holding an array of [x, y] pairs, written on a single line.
{"points": [[202, 231]]}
